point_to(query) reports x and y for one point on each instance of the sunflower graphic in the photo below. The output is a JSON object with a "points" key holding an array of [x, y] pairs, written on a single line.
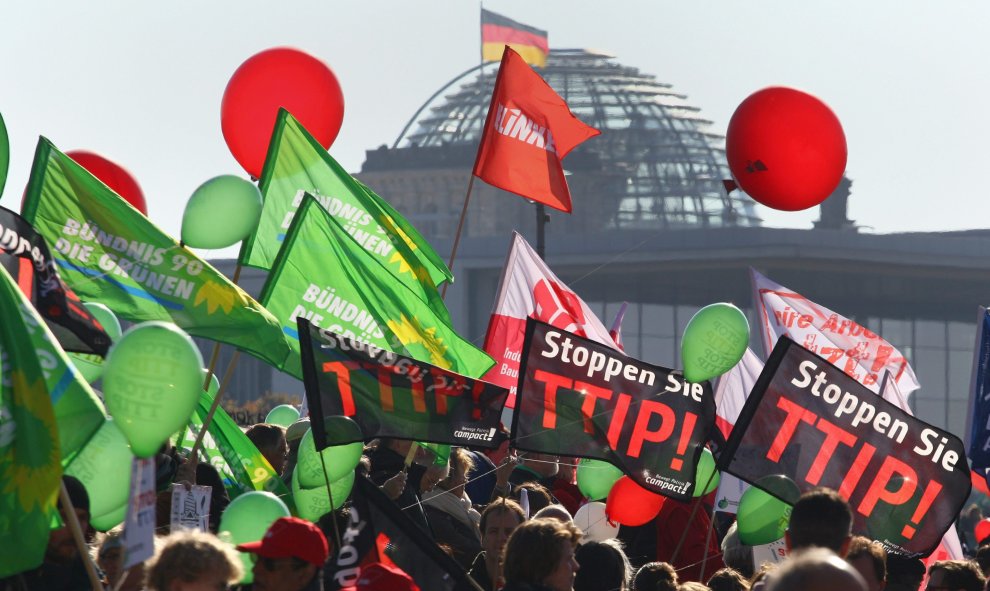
{"points": [[215, 296], [30, 465], [419, 341]]}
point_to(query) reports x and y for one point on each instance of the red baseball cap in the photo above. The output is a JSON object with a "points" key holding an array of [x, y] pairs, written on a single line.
{"points": [[291, 537], [379, 576]]}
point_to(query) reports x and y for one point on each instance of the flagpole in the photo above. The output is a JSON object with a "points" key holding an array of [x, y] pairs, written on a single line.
{"points": [[457, 235], [216, 402], [333, 518], [77, 535], [541, 230]]}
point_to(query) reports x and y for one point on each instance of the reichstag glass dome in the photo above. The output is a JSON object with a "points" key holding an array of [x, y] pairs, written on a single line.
{"points": [[662, 166]]}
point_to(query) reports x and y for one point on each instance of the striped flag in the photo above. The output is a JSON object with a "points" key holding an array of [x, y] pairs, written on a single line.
{"points": [[498, 31]]}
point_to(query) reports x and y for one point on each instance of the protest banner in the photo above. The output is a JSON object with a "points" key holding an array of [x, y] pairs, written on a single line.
{"points": [[390, 395], [139, 525], [807, 420], [580, 398]]}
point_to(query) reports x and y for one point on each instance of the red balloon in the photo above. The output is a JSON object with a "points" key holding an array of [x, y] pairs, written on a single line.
{"points": [[982, 530], [280, 77], [113, 175], [630, 504], [786, 148]]}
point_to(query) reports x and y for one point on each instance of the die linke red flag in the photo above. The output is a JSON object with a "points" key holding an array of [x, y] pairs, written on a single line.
{"points": [[581, 398], [528, 131], [808, 424]]}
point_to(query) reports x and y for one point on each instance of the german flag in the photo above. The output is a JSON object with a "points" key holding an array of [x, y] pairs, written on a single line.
{"points": [[498, 31]]}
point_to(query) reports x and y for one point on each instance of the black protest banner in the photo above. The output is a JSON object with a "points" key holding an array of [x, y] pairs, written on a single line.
{"points": [[579, 398], [810, 422], [25, 256], [390, 395], [378, 532]]}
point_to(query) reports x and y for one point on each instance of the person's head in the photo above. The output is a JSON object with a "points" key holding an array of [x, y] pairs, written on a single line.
{"points": [[62, 547], [498, 520], [270, 441], [193, 561], [735, 554], [983, 559], [604, 565], [955, 575], [461, 462], [537, 496], [820, 518], [541, 552], [433, 475], [904, 574], [727, 579], [289, 556], [815, 569], [546, 465], [555, 511], [293, 436], [655, 576], [110, 559], [870, 561]]}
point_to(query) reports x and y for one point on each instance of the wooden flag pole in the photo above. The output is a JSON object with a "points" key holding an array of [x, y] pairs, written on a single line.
{"points": [[457, 235], [77, 535], [326, 479], [216, 402]]}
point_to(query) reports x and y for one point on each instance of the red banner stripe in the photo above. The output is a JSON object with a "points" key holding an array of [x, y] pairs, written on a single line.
{"points": [[504, 35]]}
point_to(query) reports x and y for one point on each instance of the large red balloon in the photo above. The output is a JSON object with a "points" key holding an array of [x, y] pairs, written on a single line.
{"points": [[280, 77], [630, 504], [786, 148], [982, 530], [113, 175]]}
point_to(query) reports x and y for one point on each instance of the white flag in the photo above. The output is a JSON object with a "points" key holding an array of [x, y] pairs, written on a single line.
{"points": [[862, 354], [731, 392]]}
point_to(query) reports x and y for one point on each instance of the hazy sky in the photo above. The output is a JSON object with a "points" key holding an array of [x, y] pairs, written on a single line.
{"points": [[140, 82]]}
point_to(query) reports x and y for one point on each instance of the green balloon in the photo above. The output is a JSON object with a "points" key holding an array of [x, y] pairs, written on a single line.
{"points": [[705, 473], [247, 518], [595, 478], [214, 384], [221, 212], [313, 503], [283, 414], [762, 517], [338, 459], [4, 154], [98, 467], [88, 364], [111, 519], [714, 341], [151, 384]]}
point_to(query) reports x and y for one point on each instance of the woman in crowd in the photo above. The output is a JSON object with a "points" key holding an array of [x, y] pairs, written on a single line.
{"points": [[453, 519], [539, 556], [193, 561]]}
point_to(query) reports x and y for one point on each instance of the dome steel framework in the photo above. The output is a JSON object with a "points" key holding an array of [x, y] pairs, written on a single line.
{"points": [[667, 165]]}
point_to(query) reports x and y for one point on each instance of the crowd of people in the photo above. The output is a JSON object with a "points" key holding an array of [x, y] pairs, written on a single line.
{"points": [[505, 518]]}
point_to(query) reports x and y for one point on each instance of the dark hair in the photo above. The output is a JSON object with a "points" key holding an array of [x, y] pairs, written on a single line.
{"points": [[821, 518], [603, 566], [861, 547], [538, 495], [727, 579], [904, 574], [983, 557], [655, 576], [265, 435], [535, 548], [502, 505], [960, 574]]}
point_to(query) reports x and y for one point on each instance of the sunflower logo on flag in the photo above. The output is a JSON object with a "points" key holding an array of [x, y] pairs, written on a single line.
{"points": [[419, 341], [29, 463]]}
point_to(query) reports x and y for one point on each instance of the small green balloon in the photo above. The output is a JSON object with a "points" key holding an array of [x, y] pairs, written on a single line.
{"points": [[221, 212], [714, 341], [247, 518], [705, 473], [98, 467], [283, 414], [151, 384], [88, 364], [762, 517], [313, 503], [111, 519], [595, 478], [4, 154], [338, 459]]}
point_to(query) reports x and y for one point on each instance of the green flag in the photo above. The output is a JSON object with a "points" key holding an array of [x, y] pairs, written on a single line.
{"points": [[323, 275], [240, 464], [110, 253], [298, 164], [41, 400]]}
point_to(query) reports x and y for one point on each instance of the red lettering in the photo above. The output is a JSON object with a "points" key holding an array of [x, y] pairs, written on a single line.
{"points": [[795, 414], [591, 395], [343, 385], [553, 382], [640, 432], [834, 435], [855, 473], [890, 469], [449, 385], [618, 419]]}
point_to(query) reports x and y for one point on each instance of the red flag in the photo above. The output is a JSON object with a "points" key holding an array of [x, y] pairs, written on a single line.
{"points": [[528, 131]]}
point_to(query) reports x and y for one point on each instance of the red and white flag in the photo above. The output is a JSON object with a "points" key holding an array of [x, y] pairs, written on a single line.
{"points": [[733, 389], [616, 331], [862, 354], [529, 288], [528, 131]]}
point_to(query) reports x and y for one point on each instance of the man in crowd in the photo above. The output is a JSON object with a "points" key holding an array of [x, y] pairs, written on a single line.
{"points": [[270, 441], [870, 561], [820, 519], [498, 521], [290, 556], [815, 569], [955, 575]]}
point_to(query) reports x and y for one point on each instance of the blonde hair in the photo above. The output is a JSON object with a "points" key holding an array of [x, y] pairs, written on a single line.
{"points": [[189, 555]]}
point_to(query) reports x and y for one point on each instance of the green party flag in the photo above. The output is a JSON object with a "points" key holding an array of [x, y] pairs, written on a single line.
{"points": [[40, 395], [225, 446], [110, 253], [440, 452], [298, 164], [323, 275]]}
